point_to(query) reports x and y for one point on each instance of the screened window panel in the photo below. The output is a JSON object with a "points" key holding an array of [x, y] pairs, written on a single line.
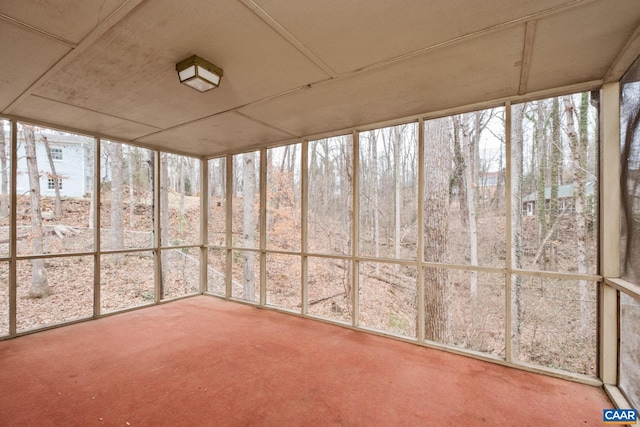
{"points": [[330, 195], [54, 290], [126, 196]]}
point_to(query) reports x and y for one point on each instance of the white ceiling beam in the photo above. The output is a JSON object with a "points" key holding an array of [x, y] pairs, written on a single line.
{"points": [[38, 31], [269, 125], [527, 52], [270, 21], [629, 53]]}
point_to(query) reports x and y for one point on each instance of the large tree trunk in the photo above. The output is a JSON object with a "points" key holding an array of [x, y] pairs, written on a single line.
{"points": [[375, 187], [164, 216], [248, 226], [470, 181], [556, 163], [39, 285], [327, 195], [117, 232], [436, 227], [181, 184], [131, 162], [460, 168], [540, 142], [578, 146], [54, 176], [89, 159], [516, 222]]}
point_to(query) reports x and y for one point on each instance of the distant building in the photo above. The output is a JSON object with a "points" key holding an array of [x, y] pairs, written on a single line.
{"points": [[488, 184], [72, 160], [565, 199]]}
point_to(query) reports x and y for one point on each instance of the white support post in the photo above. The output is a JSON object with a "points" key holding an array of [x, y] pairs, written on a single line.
{"points": [[204, 224], [157, 238], [508, 233], [420, 244], [609, 230], [96, 228], [304, 176], [263, 226], [355, 231], [13, 303], [229, 230]]}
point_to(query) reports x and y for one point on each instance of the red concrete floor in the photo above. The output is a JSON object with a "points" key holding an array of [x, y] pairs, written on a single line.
{"points": [[208, 362]]}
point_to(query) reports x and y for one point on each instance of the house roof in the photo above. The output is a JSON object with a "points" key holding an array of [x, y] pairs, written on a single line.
{"points": [[295, 69]]}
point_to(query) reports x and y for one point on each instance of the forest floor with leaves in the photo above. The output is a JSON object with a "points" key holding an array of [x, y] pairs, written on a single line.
{"points": [[551, 311]]}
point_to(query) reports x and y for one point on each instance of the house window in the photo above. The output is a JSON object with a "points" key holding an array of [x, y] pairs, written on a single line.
{"points": [[51, 184], [56, 153]]}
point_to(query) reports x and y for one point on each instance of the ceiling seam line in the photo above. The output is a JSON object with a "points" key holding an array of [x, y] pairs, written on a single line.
{"points": [[38, 31], [95, 111], [527, 53], [239, 107], [290, 38], [253, 119]]}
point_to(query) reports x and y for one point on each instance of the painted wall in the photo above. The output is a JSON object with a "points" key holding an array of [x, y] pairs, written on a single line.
{"points": [[74, 167]]}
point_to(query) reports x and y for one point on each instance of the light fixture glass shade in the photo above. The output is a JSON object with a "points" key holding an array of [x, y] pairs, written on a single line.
{"points": [[199, 73]]}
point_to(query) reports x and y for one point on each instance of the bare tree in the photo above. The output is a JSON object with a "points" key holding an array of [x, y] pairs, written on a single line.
{"points": [[516, 221], [39, 285], [397, 142], [248, 226], [55, 177], [470, 178], [181, 183], [116, 234], [556, 173], [131, 161], [436, 228], [578, 145], [4, 197], [164, 215], [375, 188], [541, 184], [89, 156]]}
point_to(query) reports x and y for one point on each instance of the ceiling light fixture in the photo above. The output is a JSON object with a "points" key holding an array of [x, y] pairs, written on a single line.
{"points": [[199, 73]]}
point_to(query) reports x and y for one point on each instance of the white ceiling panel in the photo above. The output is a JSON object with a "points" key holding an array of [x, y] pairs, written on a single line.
{"points": [[25, 56], [47, 111], [349, 35], [294, 68], [563, 52], [70, 20], [483, 68], [216, 135], [134, 63]]}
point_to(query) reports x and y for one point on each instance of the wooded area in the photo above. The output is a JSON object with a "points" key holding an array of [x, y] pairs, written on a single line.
{"points": [[367, 211]]}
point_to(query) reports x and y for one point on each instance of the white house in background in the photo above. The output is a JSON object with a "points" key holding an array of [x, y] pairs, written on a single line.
{"points": [[71, 156]]}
